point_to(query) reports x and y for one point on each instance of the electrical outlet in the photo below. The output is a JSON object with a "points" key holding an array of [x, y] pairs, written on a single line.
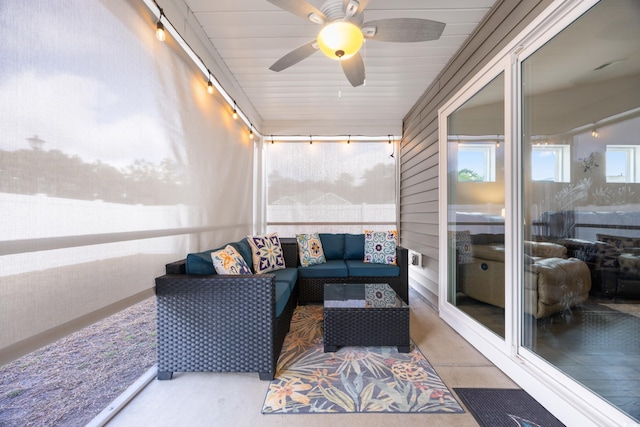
{"points": [[415, 258]]}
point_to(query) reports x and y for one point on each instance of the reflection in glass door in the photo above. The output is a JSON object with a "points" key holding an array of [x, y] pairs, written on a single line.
{"points": [[476, 194], [581, 236]]}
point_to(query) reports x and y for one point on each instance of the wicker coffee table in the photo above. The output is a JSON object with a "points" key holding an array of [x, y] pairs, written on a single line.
{"points": [[371, 314]]}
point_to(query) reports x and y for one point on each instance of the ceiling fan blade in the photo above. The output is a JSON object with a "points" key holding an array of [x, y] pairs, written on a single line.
{"points": [[354, 69], [300, 8], [295, 56], [403, 30], [360, 3]]}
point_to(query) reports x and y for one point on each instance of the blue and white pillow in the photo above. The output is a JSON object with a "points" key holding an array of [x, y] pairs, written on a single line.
{"points": [[229, 261], [310, 249], [266, 253], [380, 246]]}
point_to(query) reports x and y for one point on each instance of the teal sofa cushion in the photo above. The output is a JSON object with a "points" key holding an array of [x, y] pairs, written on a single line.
{"points": [[354, 246], [245, 250], [283, 291], [332, 245], [367, 269], [200, 263], [289, 275], [331, 268]]}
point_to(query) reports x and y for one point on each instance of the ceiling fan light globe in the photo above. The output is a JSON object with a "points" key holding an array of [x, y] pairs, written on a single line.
{"points": [[340, 40]]}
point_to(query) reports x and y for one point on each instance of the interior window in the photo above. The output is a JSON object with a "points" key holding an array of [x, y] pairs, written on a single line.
{"points": [[477, 162], [622, 163], [551, 163]]}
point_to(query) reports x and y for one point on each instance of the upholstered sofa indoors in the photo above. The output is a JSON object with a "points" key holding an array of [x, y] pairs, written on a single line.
{"points": [[553, 282], [607, 240], [614, 263], [209, 322]]}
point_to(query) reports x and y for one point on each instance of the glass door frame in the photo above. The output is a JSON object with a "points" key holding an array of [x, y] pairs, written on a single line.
{"points": [[489, 341], [551, 387]]}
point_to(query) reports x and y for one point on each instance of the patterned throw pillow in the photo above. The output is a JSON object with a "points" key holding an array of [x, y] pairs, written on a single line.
{"points": [[463, 244], [266, 253], [379, 295], [620, 242], [380, 246], [310, 249], [229, 261]]}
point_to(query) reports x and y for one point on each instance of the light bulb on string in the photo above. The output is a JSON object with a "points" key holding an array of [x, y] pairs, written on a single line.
{"points": [[160, 33]]}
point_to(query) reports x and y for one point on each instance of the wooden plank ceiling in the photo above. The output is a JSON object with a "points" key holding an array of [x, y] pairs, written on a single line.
{"points": [[313, 96]]}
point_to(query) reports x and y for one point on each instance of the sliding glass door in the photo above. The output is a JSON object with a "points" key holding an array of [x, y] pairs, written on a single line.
{"points": [[541, 242], [581, 193], [475, 210]]}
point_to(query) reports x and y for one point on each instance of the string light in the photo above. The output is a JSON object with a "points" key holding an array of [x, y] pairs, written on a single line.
{"points": [[164, 26], [210, 86], [251, 132], [213, 85], [594, 133], [160, 34]]}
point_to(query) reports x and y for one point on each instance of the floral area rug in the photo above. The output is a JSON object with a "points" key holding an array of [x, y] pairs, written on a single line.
{"points": [[353, 379]]}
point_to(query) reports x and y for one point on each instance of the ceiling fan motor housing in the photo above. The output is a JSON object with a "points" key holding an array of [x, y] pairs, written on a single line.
{"points": [[332, 9]]}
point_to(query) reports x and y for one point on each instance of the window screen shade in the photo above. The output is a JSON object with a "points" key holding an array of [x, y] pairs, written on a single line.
{"points": [[330, 187], [110, 165]]}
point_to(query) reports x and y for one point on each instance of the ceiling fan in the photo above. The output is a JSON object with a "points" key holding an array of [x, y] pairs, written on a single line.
{"points": [[344, 30]]}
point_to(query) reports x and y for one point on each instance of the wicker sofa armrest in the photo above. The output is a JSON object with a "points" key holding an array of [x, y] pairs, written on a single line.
{"points": [[402, 259], [216, 323], [177, 267]]}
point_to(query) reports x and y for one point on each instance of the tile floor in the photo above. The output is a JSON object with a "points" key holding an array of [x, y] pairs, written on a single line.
{"points": [[221, 399]]}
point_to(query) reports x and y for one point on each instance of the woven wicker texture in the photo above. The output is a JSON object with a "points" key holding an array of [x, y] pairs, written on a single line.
{"points": [[219, 323], [311, 290], [366, 327]]}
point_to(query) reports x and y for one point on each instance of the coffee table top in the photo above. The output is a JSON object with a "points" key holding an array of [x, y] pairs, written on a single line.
{"points": [[360, 295]]}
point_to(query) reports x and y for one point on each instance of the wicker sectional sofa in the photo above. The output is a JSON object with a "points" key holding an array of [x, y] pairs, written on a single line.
{"points": [[237, 323], [344, 254]]}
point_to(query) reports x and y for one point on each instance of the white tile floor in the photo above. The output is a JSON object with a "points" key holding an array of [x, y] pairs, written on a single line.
{"points": [[220, 399]]}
